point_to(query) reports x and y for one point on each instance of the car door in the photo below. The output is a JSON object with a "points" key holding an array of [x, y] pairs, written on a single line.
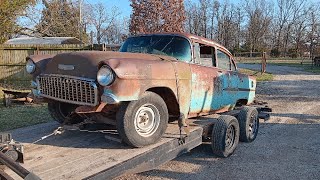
{"points": [[230, 78], [206, 82]]}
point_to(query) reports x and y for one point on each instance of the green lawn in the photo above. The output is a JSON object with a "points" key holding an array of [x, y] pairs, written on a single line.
{"points": [[18, 116], [315, 70], [306, 64], [258, 75]]}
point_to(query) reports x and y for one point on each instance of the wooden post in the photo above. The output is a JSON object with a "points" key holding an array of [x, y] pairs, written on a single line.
{"points": [[263, 62], [38, 50]]}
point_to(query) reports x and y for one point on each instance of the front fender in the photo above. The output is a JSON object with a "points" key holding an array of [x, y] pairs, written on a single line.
{"points": [[41, 62], [135, 76]]}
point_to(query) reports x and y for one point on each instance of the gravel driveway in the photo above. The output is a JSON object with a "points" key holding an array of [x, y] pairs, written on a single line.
{"points": [[287, 146]]}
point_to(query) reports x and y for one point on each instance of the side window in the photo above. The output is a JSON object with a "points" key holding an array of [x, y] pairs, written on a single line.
{"points": [[204, 55], [223, 60]]}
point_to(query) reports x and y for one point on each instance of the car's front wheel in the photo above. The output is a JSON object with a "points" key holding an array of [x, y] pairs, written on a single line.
{"points": [[142, 122], [59, 111]]}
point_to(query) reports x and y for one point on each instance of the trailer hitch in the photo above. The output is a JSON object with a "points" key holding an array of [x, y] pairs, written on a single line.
{"points": [[11, 148], [11, 154]]}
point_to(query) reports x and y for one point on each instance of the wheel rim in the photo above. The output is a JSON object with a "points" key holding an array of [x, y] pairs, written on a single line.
{"points": [[253, 125], [147, 120], [230, 136]]}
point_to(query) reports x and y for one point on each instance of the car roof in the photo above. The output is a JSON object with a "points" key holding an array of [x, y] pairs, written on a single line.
{"points": [[192, 38]]}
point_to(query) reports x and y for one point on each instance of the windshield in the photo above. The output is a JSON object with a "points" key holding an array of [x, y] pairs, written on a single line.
{"points": [[174, 46]]}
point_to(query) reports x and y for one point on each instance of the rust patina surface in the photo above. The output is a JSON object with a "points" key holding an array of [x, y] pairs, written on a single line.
{"points": [[188, 87]]}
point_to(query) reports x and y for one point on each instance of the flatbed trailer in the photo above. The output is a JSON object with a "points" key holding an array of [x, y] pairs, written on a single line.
{"points": [[96, 155]]}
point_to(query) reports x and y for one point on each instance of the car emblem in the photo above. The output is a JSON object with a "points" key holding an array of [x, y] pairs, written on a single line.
{"points": [[66, 67]]}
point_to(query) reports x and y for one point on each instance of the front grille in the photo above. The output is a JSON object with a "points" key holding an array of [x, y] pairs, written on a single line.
{"points": [[68, 89]]}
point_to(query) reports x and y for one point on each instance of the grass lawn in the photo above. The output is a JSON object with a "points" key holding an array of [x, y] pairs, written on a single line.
{"points": [[306, 67], [258, 75], [18, 116], [315, 70], [306, 64]]}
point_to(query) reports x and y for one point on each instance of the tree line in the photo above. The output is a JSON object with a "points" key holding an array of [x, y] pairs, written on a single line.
{"points": [[281, 27]]}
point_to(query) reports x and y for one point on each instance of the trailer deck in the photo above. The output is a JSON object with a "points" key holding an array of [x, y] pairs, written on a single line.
{"points": [[83, 155], [102, 155]]}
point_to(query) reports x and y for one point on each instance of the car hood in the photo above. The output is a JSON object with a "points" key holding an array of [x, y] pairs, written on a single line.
{"points": [[86, 63]]}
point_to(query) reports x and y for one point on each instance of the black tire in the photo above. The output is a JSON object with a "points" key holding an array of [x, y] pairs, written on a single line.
{"points": [[59, 111], [249, 124], [131, 114], [225, 136]]}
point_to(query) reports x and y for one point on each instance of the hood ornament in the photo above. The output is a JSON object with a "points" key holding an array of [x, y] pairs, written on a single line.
{"points": [[66, 67]]}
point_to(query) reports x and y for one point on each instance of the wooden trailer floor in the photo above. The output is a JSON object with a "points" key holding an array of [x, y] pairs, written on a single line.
{"points": [[78, 155]]}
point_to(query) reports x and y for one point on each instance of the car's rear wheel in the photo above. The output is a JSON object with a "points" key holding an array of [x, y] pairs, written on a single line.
{"points": [[59, 111], [142, 122], [225, 136], [249, 124]]}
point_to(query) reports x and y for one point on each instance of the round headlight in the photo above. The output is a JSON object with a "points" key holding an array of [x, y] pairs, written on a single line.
{"points": [[105, 76], [30, 66]]}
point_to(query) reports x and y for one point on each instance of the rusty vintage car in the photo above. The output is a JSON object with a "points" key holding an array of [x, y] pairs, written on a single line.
{"points": [[152, 79]]}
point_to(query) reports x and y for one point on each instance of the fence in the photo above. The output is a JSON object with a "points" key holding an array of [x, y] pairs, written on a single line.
{"points": [[12, 57], [256, 57]]}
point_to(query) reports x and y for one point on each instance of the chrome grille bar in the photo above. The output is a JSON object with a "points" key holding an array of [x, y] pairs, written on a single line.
{"points": [[68, 89]]}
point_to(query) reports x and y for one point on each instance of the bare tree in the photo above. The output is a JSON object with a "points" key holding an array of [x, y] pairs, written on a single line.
{"points": [[214, 12], [193, 15], [101, 19], [286, 12], [298, 32], [313, 34], [201, 17], [204, 13], [239, 16], [259, 19], [226, 25], [118, 32]]}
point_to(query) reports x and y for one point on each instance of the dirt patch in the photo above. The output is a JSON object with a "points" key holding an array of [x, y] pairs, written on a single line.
{"points": [[294, 94]]}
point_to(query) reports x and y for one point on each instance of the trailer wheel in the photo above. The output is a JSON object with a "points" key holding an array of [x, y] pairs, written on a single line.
{"points": [[225, 136], [59, 111], [249, 124], [142, 122]]}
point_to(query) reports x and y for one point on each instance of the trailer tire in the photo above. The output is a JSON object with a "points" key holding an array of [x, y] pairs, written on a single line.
{"points": [[59, 111], [144, 121], [249, 124], [225, 136]]}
